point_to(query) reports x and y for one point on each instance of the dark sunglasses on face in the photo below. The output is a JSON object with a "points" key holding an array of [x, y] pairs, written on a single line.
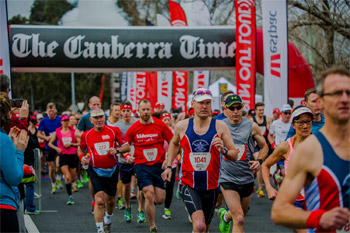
{"points": [[287, 113], [239, 107]]}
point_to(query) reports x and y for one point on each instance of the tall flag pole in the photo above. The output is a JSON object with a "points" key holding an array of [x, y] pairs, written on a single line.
{"points": [[275, 37], [245, 51], [180, 78], [5, 66]]}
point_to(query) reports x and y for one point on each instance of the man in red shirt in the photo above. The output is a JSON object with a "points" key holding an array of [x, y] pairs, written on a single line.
{"points": [[148, 135], [103, 170]]}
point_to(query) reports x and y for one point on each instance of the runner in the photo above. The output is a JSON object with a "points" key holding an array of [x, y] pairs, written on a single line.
{"points": [[222, 115], [46, 131], [301, 121], [202, 139], [148, 135], [103, 170], [264, 123], [324, 172], [67, 150], [237, 178], [126, 170], [159, 108]]}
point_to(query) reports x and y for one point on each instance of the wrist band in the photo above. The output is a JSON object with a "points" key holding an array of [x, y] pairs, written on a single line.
{"points": [[313, 221], [168, 167]]}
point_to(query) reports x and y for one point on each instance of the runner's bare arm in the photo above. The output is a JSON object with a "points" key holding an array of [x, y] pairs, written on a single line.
{"points": [[53, 146], [78, 133], [174, 147], [41, 135], [277, 154], [124, 148], [225, 140]]}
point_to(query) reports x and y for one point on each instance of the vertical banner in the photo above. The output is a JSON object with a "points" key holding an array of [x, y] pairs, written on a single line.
{"points": [[245, 52], [180, 96], [141, 83], [131, 84], [275, 37], [165, 88], [152, 83], [4, 42], [124, 86], [200, 79]]}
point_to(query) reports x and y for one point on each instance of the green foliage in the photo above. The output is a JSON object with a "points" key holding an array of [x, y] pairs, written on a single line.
{"points": [[48, 11]]}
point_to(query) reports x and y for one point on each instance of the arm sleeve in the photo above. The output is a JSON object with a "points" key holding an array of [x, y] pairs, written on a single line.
{"points": [[119, 136], [11, 161], [129, 135], [82, 144]]}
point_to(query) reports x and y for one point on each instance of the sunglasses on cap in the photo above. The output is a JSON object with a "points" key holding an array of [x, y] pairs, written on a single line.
{"points": [[232, 108], [202, 92]]}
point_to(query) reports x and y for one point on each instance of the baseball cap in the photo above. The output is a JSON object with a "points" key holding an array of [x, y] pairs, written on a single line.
{"points": [[97, 112], [65, 118], [301, 110], [276, 110], [39, 116], [33, 120], [233, 99], [286, 107], [159, 104], [202, 94]]}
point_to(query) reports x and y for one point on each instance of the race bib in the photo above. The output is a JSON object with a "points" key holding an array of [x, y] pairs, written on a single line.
{"points": [[66, 140], [102, 148], [150, 154], [242, 152], [346, 228], [200, 160], [52, 134]]}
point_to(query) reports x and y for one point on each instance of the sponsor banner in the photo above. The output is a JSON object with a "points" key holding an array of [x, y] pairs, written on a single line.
{"points": [[124, 86], [72, 49], [152, 83], [245, 52], [180, 96], [4, 42], [275, 37], [165, 88], [131, 87], [141, 84], [200, 79]]}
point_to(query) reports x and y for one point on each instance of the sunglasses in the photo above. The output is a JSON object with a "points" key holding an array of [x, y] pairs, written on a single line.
{"points": [[287, 113], [202, 92], [301, 123], [239, 107]]}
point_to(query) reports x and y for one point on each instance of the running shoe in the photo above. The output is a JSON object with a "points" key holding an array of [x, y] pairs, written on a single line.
{"points": [[35, 212], [127, 215], [70, 201], [53, 190], [261, 193], [167, 214], [80, 185], [107, 228], [224, 227], [59, 183], [75, 188], [141, 217], [153, 229], [120, 204], [86, 179]]}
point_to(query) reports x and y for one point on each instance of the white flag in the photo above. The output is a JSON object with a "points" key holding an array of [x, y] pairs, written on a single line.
{"points": [[200, 79], [275, 35], [132, 89]]}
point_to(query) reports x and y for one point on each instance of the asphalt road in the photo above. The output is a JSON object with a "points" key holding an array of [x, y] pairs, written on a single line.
{"points": [[56, 216]]}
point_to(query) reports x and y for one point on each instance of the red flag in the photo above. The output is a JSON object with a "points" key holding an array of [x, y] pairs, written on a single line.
{"points": [[102, 87], [245, 52], [152, 86]]}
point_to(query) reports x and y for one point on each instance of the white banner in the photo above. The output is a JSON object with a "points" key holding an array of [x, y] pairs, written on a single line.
{"points": [[275, 35], [4, 42], [132, 89], [200, 79], [165, 88]]}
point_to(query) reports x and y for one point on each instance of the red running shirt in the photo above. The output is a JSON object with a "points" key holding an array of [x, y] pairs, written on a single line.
{"points": [[98, 143], [149, 141]]}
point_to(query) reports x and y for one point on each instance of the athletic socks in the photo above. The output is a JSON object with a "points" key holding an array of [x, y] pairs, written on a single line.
{"points": [[107, 218], [69, 188], [99, 226]]}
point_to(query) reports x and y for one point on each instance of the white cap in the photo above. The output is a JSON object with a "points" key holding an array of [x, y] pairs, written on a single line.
{"points": [[97, 112], [286, 107], [301, 110], [39, 116], [202, 94]]}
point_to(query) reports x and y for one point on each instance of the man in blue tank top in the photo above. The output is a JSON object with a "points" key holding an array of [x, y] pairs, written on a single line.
{"points": [[321, 165]]}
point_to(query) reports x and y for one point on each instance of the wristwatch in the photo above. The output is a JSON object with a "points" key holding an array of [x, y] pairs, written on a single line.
{"points": [[226, 151], [260, 161]]}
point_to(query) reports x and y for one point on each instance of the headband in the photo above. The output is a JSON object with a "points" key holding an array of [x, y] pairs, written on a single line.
{"points": [[126, 106]]}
